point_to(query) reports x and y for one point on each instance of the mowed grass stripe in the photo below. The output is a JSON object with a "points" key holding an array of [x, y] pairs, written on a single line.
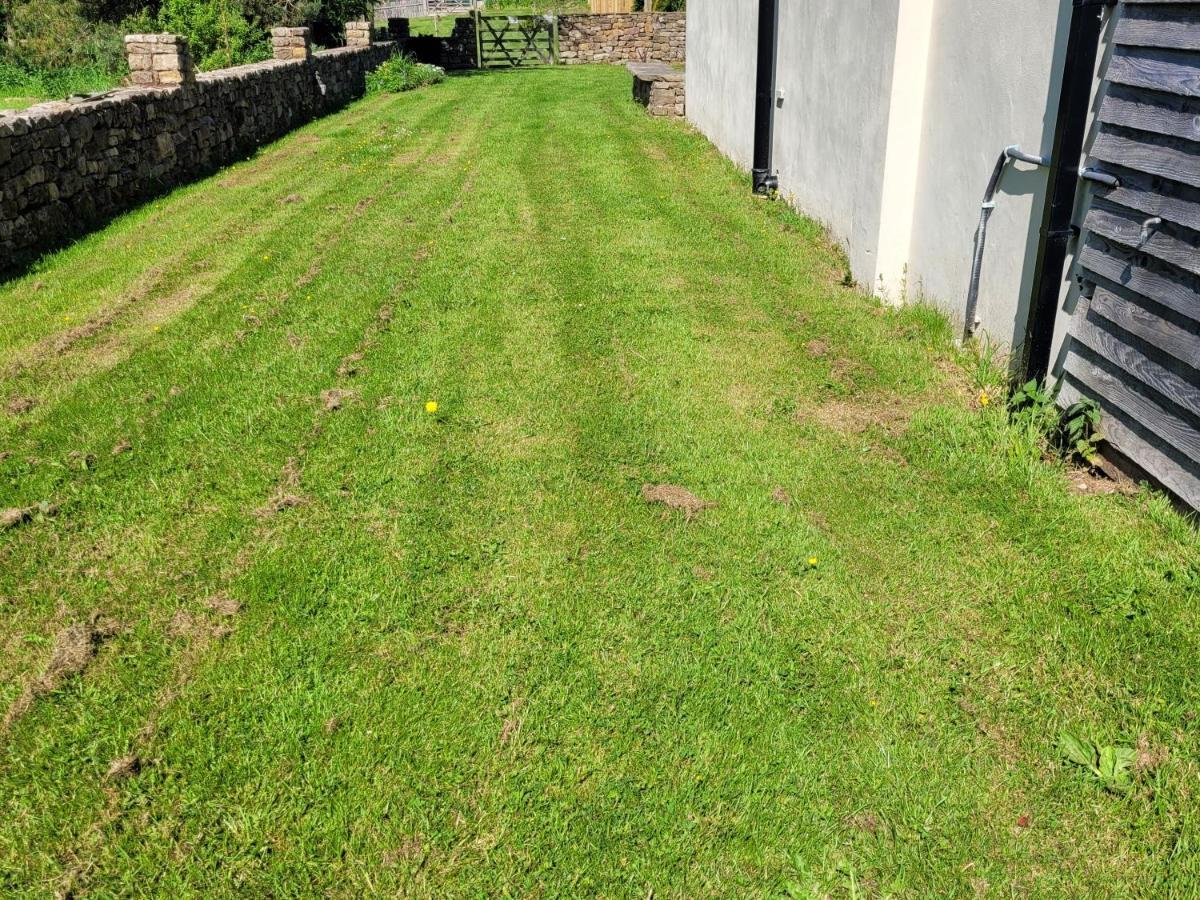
{"points": [[401, 463], [162, 590], [185, 446]]}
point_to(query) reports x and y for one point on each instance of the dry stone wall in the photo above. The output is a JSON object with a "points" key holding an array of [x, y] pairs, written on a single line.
{"points": [[623, 37], [68, 166], [659, 88]]}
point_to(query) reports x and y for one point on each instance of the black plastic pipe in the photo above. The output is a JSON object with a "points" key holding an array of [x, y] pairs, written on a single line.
{"points": [[1074, 101], [986, 209], [765, 180]]}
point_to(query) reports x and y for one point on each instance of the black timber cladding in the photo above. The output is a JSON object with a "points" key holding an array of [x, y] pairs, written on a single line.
{"points": [[1135, 339]]}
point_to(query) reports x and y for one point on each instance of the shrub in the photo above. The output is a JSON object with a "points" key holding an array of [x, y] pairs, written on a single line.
{"points": [[218, 32], [403, 73], [53, 34]]}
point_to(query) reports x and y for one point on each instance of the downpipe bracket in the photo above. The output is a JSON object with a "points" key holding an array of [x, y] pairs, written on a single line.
{"points": [[766, 184]]}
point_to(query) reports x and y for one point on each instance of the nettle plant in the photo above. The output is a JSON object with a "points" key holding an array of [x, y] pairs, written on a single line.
{"points": [[1071, 433]]}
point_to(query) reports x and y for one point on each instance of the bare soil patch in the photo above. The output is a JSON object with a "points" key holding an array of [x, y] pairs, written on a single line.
{"points": [[350, 364], [286, 495], [223, 605], [19, 405], [190, 626], [19, 515], [75, 647], [782, 497], [123, 767], [410, 850], [1149, 756], [1095, 483], [335, 398], [865, 821], [677, 498], [888, 413]]}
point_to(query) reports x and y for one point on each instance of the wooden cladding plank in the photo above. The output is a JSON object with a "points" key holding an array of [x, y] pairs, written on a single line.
{"points": [[1149, 194], [1135, 344], [1154, 155], [1113, 391], [1112, 346], [1165, 114], [1126, 437], [1174, 26], [1110, 263], [1126, 227], [1181, 343], [1174, 72]]}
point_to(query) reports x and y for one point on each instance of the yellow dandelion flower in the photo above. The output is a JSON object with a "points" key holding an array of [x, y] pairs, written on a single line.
{"points": [[984, 399], [266, 257], [431, 407], [812, 561]]}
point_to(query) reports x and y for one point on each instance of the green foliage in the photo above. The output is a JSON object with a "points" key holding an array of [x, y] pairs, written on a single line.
{"points": [[403, 73], [54, 34], [219, 32], [1072, 433], [1111, 766], [18, 80]]}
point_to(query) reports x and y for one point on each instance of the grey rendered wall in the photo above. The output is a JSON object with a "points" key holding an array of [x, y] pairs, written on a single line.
{"points": [[992, 82], [989, 79], [835, 69], [722, 52]]}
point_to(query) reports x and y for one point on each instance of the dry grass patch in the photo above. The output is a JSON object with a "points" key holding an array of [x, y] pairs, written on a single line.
{"points": [[677, 498]]}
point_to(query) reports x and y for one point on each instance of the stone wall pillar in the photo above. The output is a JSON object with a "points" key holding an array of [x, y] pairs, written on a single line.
{"points": [[158, 60], [398, 29], [291, 43], [358, 33]]}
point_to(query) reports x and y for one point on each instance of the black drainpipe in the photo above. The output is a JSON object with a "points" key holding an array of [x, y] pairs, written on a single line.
{"points": [[765, 180], [1074, 101]]}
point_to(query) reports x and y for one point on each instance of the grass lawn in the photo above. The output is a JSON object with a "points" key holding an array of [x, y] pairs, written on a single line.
{"points": [[21, 87], [287, 633]]}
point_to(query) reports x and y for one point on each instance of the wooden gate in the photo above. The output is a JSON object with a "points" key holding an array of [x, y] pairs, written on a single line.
{"points": [[1135, 338], [507, 41]]}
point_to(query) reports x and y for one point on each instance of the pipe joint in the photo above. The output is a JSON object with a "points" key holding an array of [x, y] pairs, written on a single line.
{"points": [[766, 184], [1015, 152]]}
